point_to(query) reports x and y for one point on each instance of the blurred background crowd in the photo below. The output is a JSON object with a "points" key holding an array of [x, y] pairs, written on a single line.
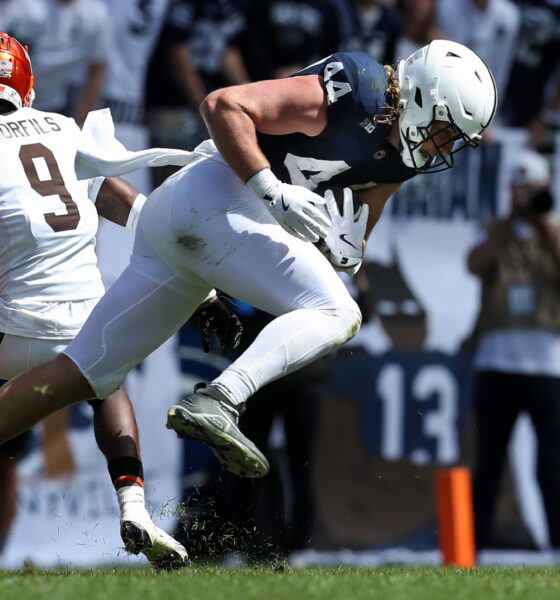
{"points": [[435, 378], [153, 61]]}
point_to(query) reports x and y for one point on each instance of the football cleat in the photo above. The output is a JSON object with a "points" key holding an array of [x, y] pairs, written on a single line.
{"points": [[206, 416], [140, 534], [164, 552]]}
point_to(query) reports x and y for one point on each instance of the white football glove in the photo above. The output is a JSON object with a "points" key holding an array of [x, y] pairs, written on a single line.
{"points": [[345, 237], [293, 206]]}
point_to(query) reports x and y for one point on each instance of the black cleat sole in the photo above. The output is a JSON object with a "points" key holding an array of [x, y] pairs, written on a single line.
{"points": [[244, 460], [136, 540]]}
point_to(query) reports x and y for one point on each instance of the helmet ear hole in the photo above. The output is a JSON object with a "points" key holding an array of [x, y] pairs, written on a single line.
{"points": [[418, 97]]}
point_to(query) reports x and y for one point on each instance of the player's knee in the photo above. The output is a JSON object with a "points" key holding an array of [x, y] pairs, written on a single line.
{"points": [[349, 319], [354, 320]]}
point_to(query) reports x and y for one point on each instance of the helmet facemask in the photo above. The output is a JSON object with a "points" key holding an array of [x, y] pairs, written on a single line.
{"points": [[447, 133]]}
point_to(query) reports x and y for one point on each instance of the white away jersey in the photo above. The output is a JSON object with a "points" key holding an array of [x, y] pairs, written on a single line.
{"points": [[47, 224]]}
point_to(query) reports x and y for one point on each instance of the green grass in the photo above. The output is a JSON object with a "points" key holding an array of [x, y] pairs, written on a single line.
{"points": [[281, 582]]}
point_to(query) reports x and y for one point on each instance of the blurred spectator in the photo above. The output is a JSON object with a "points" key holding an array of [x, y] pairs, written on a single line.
{"points": [[212, 42], [533, 92], [284, 36], [419, 26], [374, 29], [70, 57], [489, 27], [194, 56], [517, 357], [136, 27], [24, 19]]}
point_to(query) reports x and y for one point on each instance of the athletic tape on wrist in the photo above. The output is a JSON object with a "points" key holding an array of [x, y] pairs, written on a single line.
{"points": [[263, 183], [134, 213]]}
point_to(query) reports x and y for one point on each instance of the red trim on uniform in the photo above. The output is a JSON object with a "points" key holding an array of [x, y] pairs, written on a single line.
{"points": [[128, 478]]}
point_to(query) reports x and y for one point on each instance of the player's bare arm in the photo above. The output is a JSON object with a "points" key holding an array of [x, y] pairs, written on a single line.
{"points": [[234, 114], [376, 198], [115, 200]]}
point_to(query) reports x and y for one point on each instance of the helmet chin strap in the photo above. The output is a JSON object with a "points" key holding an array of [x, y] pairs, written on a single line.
{"points": [[412, 158]]}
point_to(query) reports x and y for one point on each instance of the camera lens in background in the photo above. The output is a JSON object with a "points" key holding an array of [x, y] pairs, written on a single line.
{"points": [[540, 202]]}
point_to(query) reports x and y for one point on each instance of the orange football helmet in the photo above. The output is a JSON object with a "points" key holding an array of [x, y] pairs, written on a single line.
{"points": [[16, 74]]}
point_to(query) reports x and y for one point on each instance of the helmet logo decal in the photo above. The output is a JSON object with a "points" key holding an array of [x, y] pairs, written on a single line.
{"points": [[6, 68]]}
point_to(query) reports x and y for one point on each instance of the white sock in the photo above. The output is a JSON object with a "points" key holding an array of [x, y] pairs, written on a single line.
{"points": [[132, 503]]}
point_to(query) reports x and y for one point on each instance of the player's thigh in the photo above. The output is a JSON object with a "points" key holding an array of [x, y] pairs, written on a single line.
{"points": [[17, 353], [145, 306], [205, 222], [276, 272]]}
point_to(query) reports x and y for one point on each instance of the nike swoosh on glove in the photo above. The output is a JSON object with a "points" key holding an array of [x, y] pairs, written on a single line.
{"points": [[345, 237], [293, 206]]}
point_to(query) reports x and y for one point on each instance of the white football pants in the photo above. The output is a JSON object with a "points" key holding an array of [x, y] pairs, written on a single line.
{"points": [[204, 228], [17, 353]]}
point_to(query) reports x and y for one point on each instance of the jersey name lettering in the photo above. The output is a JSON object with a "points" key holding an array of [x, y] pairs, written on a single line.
{"points": [[27, 127]]}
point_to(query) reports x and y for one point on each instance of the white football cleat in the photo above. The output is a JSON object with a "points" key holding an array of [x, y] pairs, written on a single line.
{"points": [[140, 534], [164, 552]]}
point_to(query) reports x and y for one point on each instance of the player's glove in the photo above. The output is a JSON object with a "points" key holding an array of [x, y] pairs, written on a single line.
{"points": [[345, 238], [293, 206], [215, 315]]}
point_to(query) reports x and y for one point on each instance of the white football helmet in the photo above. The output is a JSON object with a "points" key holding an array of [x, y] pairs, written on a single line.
{"points": [[443, 81]]}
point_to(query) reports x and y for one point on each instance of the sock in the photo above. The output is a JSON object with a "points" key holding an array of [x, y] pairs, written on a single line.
{"points": [[132, 503], [126, 470]]}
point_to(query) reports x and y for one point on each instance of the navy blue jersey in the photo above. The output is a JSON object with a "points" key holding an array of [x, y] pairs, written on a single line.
{"points": [[351, 150]]}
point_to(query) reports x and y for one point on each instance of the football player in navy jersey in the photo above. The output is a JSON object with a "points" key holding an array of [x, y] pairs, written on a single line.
{"points": [[243, 217]]}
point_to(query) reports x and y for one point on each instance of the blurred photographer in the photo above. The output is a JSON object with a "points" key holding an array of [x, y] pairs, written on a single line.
{"points": [[517, 357]]}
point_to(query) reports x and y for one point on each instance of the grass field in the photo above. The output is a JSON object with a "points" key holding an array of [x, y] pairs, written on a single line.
{"points": [[281, 582]]}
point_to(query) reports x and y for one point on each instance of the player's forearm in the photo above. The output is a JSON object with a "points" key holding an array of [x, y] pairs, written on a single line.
{"points": [[115, 200], [234, 134]]}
